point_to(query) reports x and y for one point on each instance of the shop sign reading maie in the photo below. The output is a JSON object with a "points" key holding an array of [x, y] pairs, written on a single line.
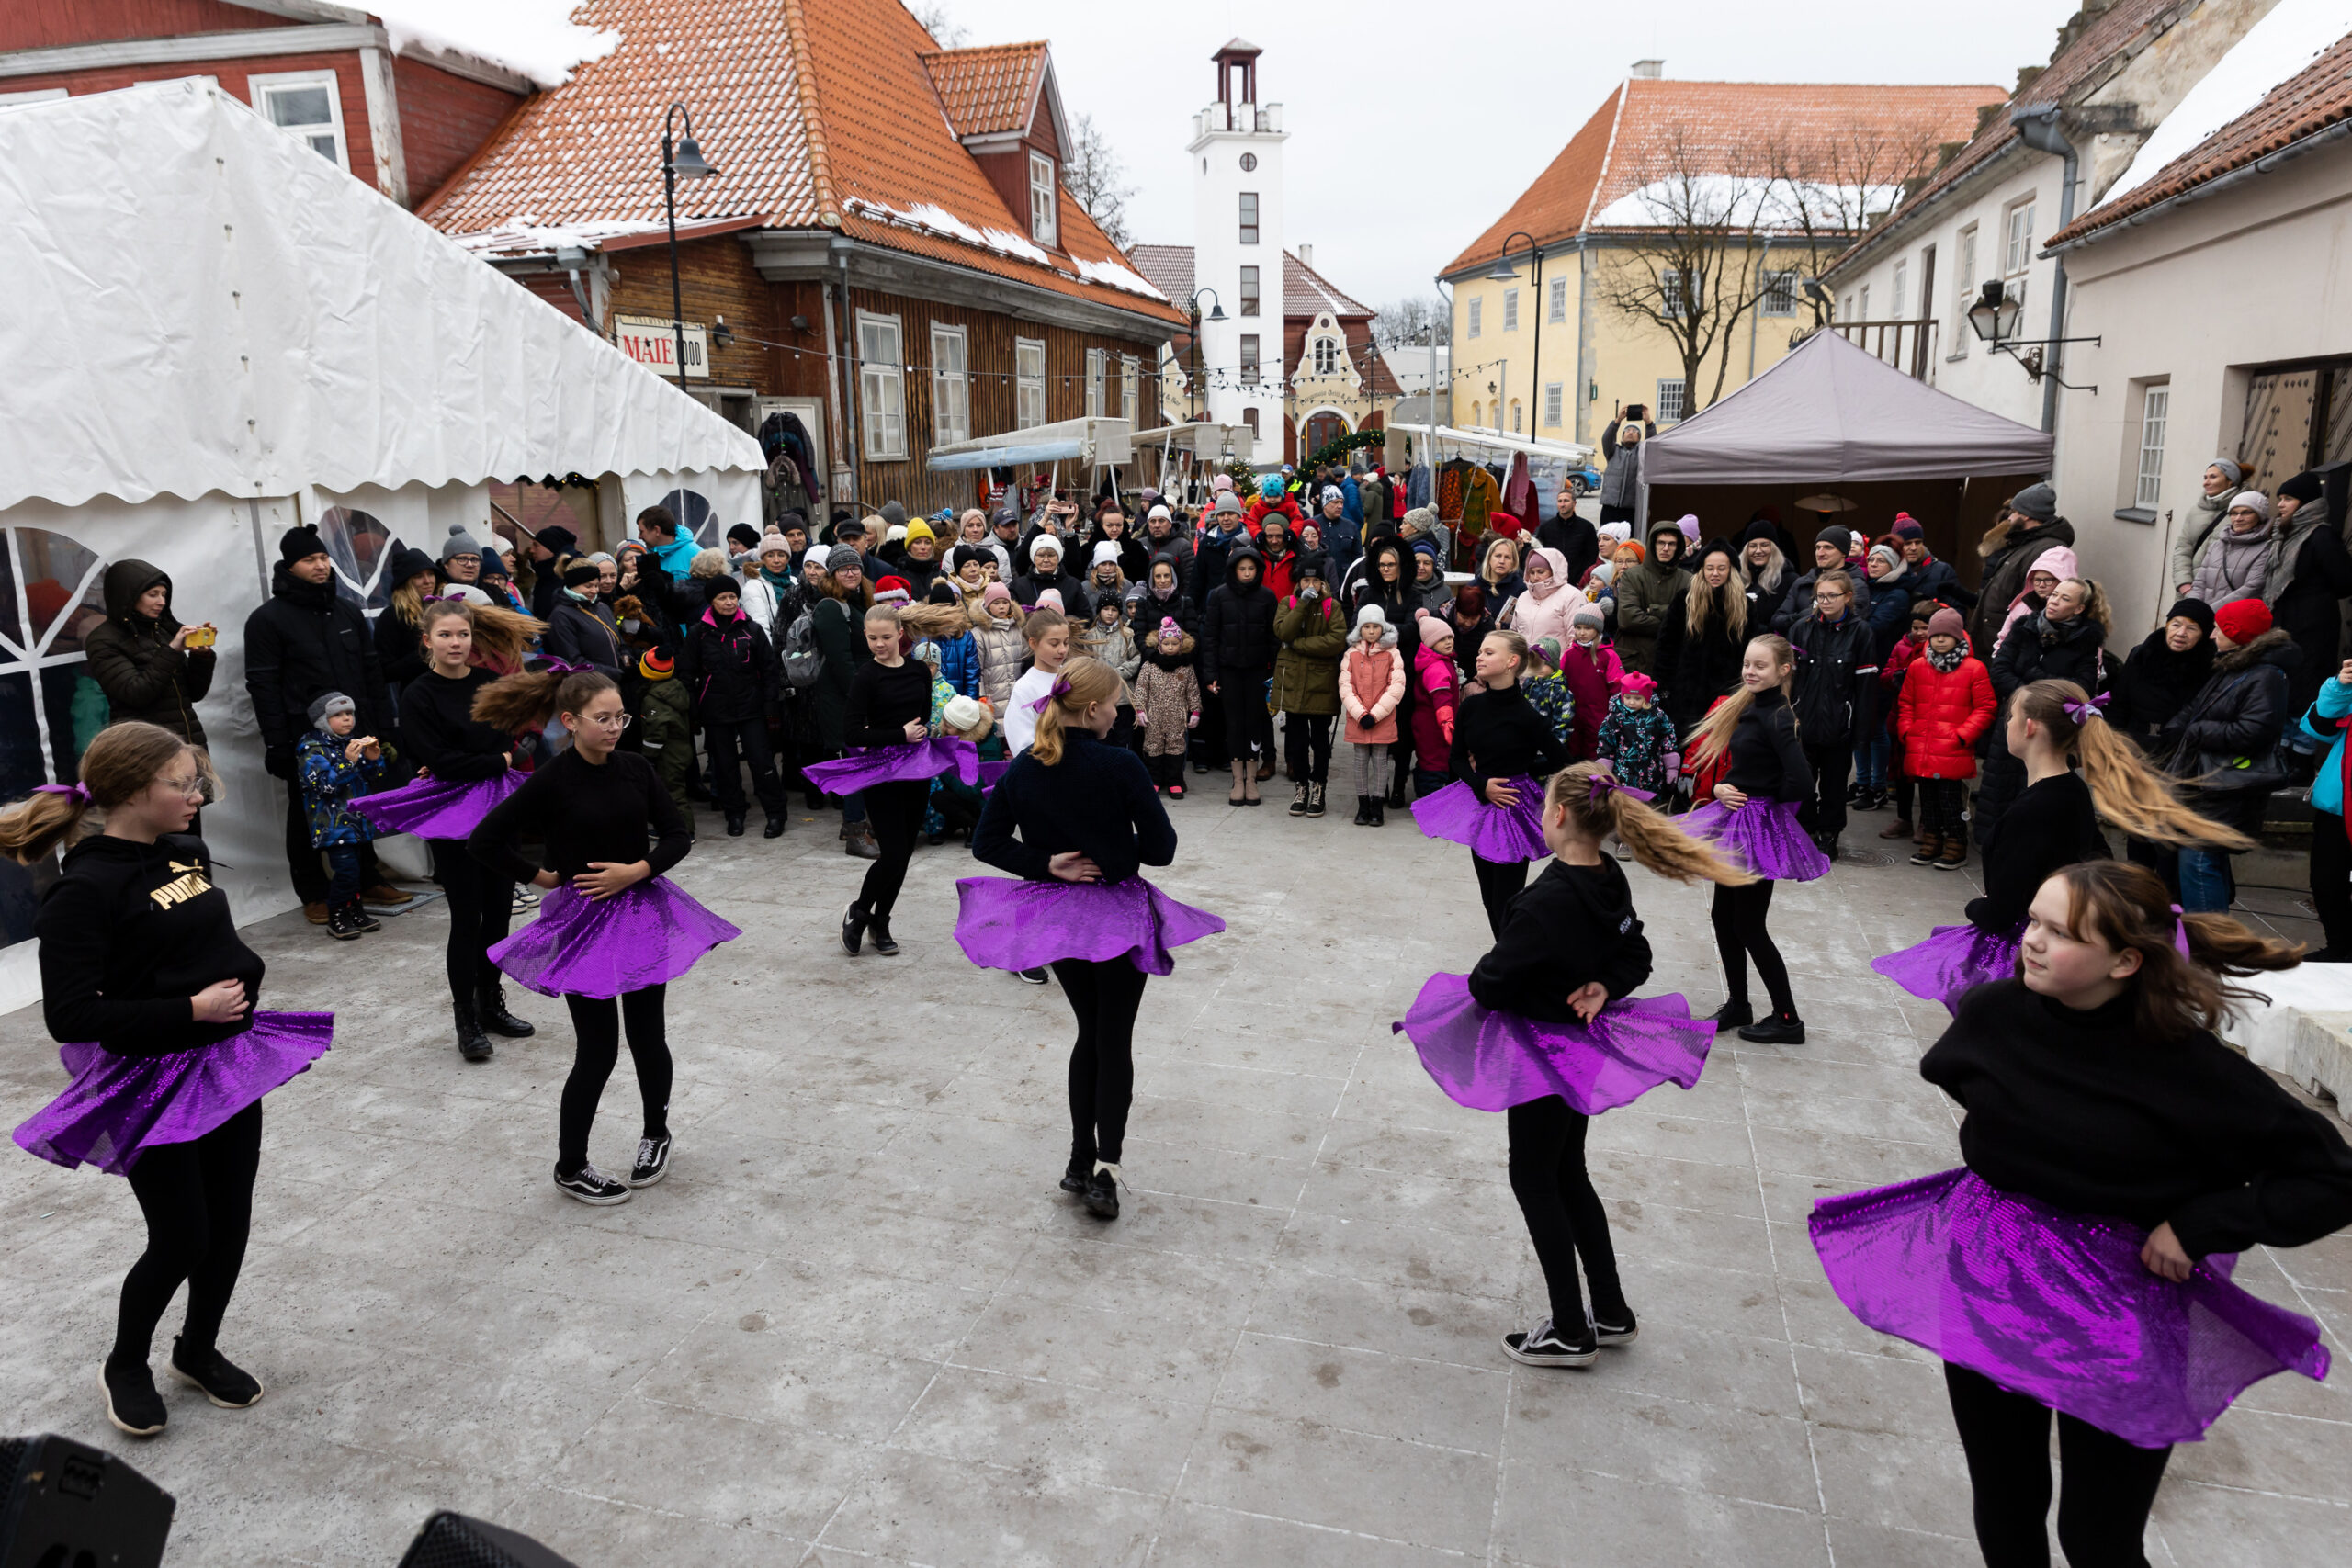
{"points": [[652, 342]]}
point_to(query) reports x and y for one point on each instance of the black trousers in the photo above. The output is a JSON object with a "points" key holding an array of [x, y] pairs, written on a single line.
{"points": [[1248, 728], [1901, 785], [481, 912], [302, 859], [1306, 745], [1739, 915], [596, 1029], [1943, 806], [1499, 882], [1564, 1219], [2110, 1484], [2332, 878], [1104, 996], [198, 1199], [1833, 767], [894, 810], [733, 743]]}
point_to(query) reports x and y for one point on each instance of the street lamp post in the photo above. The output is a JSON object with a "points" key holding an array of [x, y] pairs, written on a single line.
{"points": [[681, 161], [1503, 271], [1216, 313]]}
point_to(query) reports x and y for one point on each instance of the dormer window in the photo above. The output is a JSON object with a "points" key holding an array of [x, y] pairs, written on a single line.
{"points": [[1326, 356], [1044, 208]]}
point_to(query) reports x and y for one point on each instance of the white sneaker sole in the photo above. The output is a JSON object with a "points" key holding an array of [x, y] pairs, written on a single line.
{"points": [[592, 1199], [1583, 1359], [218, 1402], [1610, 1336], [118, 1422]]}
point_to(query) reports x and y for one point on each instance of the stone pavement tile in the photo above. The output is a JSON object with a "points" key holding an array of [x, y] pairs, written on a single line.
{"points": [[512, 1423], [1285, 1036], [1873, 1393], [1167, 1351], [1430, 1325], [1385, 1197], [1671, 1290], [1180, 1169], [2202, 1524], [1241, 1128], [1908, 1483], [723, 1190], [1864, 1161], [1195, 1535], [1408, 1104], [1440, 1403], [1564, 1419], [1465, 1151], [1836, 1117], [1052, 1430], [781, 1479], [778, 1374], [773, 1111], [597, 1530], [1298, 1470], [858, 1305], [2323, 1265], [545, 1334], [1285, 1093], [1165, 1222], [1879, 1547], [2257, 1451], [1621, 1177], [1310, 1049], [1816, 1317], [462, 1243], [1644, 1128], [1789, 1199], [1411, 1257], [606, 1264], [1556, 1517], [1726, 1241], [1791, 1079], [1675, 1360], [922, 1509], [287, 1495], [874, 1235]]}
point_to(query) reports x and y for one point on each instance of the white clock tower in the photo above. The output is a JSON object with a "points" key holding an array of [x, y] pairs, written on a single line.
{"points": [[1237, 153]]}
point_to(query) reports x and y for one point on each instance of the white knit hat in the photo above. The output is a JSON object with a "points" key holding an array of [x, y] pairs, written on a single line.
{"points": [[1106, 553]]}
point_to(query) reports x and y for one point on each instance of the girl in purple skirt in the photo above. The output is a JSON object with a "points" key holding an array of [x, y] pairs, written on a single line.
{"points": [[150, 993], [1077, 819], [612, 931], [1501, 746], [2119, 1155], [889, 706]]}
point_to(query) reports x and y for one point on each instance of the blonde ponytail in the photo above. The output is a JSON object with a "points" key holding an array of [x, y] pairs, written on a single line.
{"points": [[123, 759], [2124, 789], [1710, 737], [1082, 683], [1598, 810]]}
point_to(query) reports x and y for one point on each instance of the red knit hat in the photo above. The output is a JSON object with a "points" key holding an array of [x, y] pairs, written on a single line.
{"points": [[2242, 620]]}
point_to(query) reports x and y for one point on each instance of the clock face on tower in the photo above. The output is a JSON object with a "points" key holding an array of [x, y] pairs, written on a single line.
{"points": [[1249, 162]]}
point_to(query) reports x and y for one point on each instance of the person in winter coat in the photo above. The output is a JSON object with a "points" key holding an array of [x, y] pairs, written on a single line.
{"points": [[1829, 555], [1313, 630], [1925, 576], [669, 739], [1471, 620], [730, 675], [948, 627], [1701, 646], [1224, 534], [1594, 675], [1045, 571], [997, 636], [2164, 672], [1621, 481], [1239, 645], [336, 765], [1388, 582], [1765, 572], [1498, 571], [838, 621], [2328, 724], [1642, 745], [1893, 590], [1549, 601], [921, 564], [2042, 578], [2059, 642], [582, 630], [140, 655], [1646, 594], [2221, 481], [1105, 638], [1103, 578], [400, 645], [1547, 691], [1576, 539], [1111, 528], [1420, 526], [1372, 687], [1946, 704], [1432, 591], [1436, 687], [1279, 558], [1168, 704], [1162, 537], [2306, 589], [2224, 745], [1271, 501], [2030, 529], [1835, 700], [772, 591], [1900, 784]]}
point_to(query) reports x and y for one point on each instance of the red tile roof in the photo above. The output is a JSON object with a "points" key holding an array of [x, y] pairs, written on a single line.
{"points": [[1649, 124], [990, 89], [1305, 290], [2315, 98]]}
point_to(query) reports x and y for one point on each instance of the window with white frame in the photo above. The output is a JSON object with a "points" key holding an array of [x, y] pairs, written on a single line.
{"points": [[1669, 399], [1559, 310], [1780, 292], [1678, 299], [2016, 249], [1476, 313], [1964, 290], [951, 385], [1555, 395], [882, 386], [1326, 356], [1901, 287], [1028, 383], [1249, 361], [1249, 291], [1130, 387], [1097, 375], [1517, 423], [1249, 216], [306, 105], [1866, 303], [2153, 410], [1044, 201], [1510, 309]]}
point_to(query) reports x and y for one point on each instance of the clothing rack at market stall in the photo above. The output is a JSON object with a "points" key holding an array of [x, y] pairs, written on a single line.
{"points": [[1475, 474]]}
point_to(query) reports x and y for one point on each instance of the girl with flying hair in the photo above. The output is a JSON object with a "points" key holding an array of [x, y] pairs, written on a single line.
{"points": [[2119, 1156], [2052, 824], [1076, 819], [1545, 1030], [1494, 806]]}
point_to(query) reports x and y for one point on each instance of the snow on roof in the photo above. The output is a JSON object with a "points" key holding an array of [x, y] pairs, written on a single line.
{"points": [[524, 238], [934, 218], [1738, 201], [2282, 43], [536, 38], [1116, 275]]}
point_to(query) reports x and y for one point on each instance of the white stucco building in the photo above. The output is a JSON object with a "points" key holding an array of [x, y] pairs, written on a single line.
{"points": [[1237, 163]]}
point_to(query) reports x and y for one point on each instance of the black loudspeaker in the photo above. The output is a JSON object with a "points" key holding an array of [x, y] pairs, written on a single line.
{"points": [[453, 1541], [67, 1505]]}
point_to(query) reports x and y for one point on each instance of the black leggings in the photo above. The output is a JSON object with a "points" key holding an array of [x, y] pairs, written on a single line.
{"points": [[1498, 883], [1563, 1216], [896, 812], [1307, 743], [2110, 1484], [199, 1200], [1740, 914], [1104, 996], [596, 1026], [481, 912], [1248, 728]]}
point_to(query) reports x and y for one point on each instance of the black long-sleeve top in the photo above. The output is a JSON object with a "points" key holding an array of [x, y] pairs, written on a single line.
{"points": [[2084, 1111], [1572, 925], [883, 701], [1766, 761], [129, 933], [1499, 735], [2054, 825], [440, 734], [1097, 800], [584, 811]]}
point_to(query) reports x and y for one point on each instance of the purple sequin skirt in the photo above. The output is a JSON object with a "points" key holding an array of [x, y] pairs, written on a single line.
{"points": [[437, 808], [1492, 1060], [1005, 924], [1509, 835], [117, 1106], [646, 935], [2056, 1305], [896, 765], [1762, 837], [1952, 959], [992, 770]]}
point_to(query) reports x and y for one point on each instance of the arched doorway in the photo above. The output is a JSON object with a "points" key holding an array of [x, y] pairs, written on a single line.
{"points": [[1323, 427]]}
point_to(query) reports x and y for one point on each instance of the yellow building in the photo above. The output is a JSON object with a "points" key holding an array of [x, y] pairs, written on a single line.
{"points": [[1662, 259]]}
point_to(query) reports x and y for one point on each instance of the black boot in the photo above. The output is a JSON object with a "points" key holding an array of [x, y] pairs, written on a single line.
{"points": [[490, 1007], [1395, 795], [735, 824], [1364, 811], [472, 1043], [1734, 1014], [1380, 811]]}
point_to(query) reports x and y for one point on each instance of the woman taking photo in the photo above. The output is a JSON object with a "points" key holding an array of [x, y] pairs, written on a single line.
{"points": [[149, 993], [141, 658], [1501, 745], [2064, 640]]}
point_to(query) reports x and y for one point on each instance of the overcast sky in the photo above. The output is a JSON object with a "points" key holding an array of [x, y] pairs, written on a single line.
{"points": [[1415, 125]]}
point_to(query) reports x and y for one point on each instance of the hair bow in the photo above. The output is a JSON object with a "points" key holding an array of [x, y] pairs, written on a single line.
{"points": [[78, 791], [1061, 688], [441, 598], [2083, 713], [551, 665], [1605, 785], [2180, 934]]}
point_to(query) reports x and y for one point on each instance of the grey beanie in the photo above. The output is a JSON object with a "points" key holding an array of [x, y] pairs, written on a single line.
{"points": [[1226, 506], [894, 515], [2037, 501], [1371, 611], [329, 705], [2234, 472], [844, 557], [459, 543]]}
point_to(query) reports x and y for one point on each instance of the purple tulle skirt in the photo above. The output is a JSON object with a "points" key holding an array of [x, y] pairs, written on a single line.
{"points": [[118, 1107], [1952, 959], [896, 765], [992, 770], [1509, 835], [2056, 1305], [437, 808], [1762, 836], [1492, 1060], [646, 935], [1005, 924]]}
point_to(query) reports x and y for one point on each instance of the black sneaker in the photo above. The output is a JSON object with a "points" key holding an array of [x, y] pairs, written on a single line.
{"points": [[652, 1161], [1732, 1015], [592, 1186], [361, 920], [853, 929], [877, 931], [1074, 1174], [133, 1403], [1103, 1191], [775, 829], [1314, 800], [1547, 1347], [734, 825], [339, 924], [1779, 1029], [1031, 977], [225, 1384], [1624, 1331], [1298, 801]]}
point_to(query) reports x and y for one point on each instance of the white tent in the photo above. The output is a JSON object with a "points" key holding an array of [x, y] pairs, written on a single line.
{"points": [[215, 335]]}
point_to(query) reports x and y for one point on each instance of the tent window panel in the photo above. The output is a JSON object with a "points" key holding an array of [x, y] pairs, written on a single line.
{"points": [[1669, 399], [697, 519], [882, 390], [51, 710], [951, 385], [1028, 382], [2153, 414], [360, 547]]}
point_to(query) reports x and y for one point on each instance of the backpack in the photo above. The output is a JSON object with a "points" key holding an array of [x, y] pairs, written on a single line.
{"points": [[802, 658]]}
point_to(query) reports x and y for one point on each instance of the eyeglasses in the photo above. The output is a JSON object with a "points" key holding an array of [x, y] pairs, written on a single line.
{"points": [[193, 789], [605, 720]]}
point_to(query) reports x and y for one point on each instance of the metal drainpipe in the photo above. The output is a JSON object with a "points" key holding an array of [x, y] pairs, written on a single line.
{"points": [[851, 453], [2037, 129]]}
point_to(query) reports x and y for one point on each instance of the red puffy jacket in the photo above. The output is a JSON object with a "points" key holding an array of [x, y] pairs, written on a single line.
{"points": [[1254, 515], [1940, 716]]}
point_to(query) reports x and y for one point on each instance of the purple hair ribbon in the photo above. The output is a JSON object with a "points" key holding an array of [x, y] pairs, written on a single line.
{"points": [[2083, 713], [1604, 784], [79, 792], [1061, 688], [2180, 934]]}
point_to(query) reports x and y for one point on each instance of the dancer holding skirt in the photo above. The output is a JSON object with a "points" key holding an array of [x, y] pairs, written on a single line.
{"points": [[613, 932], [1495, 806], [149, 993], [2119, 1156], [1088, 821], [1545, 1030]]}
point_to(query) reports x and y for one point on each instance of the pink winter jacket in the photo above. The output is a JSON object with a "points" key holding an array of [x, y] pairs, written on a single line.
{"points": [[1535, 618], [1371, 683], [1440, 681]]}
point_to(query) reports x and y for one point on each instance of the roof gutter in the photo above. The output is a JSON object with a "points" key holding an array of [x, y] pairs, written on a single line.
{"points": [[2214, 187], [2037, 127]]}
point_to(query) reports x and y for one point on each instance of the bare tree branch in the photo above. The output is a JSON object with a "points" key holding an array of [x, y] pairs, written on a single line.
{"points": [[1407, 323], [1097, 178], [945, 30]]}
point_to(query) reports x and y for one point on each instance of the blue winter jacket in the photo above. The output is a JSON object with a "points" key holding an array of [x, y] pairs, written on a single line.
{"points": [[959, 663], [2327, 788]]}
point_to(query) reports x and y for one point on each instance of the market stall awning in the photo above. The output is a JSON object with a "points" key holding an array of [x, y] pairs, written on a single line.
{"points": [[1495, 441], [1832, 411], [1090, 442], [1216, 443]]}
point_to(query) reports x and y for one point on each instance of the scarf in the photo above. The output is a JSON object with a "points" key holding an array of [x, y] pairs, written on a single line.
{"points": [[1945, 663]]}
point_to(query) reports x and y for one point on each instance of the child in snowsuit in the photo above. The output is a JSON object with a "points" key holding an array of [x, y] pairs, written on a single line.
{"points": [[335, 766], [1168, 705], [1947, 703], [1591, 669], [1639, 740], [1547, 690], [1438, 679], [666, 731]]}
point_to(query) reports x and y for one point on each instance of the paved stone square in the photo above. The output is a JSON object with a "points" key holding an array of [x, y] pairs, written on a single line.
{"points": [[860, 1325]]}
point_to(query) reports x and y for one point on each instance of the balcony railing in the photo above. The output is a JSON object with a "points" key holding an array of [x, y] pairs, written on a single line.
{"points": [[1908, 345]]}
